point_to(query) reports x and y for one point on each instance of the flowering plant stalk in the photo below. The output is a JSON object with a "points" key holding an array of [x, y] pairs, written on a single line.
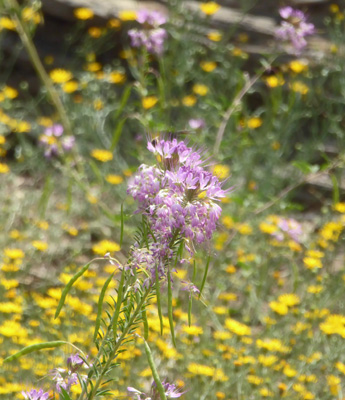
{"points": [[177, 199]]}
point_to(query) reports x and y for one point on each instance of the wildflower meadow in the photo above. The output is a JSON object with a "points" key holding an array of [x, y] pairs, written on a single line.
{"points": [[172, 200]]}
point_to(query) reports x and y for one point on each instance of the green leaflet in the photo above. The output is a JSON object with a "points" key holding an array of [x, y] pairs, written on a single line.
{"points": [[100, 306], [145, 323], [118, 302], [33, 348], [154, 371], [122, 224], [205, 275], [170, 309], [159, 304], [69, 286]]}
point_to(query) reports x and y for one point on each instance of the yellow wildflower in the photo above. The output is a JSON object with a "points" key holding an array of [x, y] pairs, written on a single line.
{"points": [[228, 222], [312, 262], [60, 75], [208, 66], [7, 23], [289, 371], [289, 299], [83, 13], [254, 123], [267, 361], [298, 66], [117, 77], [14, 254], [221, 310], [215, 36], [244, 229], [222, 335], [12, 329], [114, 179], [209, 8], [200, 89], [340, 366], [227, 296], [149, 102], [95, 31], [340, 207], [40, 245], [189, 101], [237, 327], [278, 307], [314, 289], [230, 269], [127, 15], [4, 169], [192, 330], [299, 87], [105, 246], [222, 171], [102, 155], [254, 380], [114, 23], [29, 14], [10, 92], [93, 66], [199, 369], [274, 81], [70, 87]]}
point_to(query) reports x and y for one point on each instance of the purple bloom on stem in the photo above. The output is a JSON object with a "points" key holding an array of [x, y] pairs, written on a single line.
{"points": [[54, 142], [178, 199], [171, 392], [198, 123], [68, 142], [74, 362], [150, 36], [36, 395], [295, 28], [151, 18], [54, 130]]}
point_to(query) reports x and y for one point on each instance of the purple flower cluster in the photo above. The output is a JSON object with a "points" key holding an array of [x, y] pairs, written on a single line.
{"points": [[35, 395], [197, 123], [294, 28], [288, 228], [151, 36], [54, 142], [66, 378], [63, 378], [171, 392], [178, 198]]}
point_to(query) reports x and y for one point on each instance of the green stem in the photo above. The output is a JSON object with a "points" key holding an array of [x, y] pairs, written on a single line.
{"points": [[13, 8], [113, 353]]}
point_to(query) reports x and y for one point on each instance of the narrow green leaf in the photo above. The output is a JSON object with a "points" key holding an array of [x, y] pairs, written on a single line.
{"points": [[145, 323], [190, 310], [123, 102], [205, 275], [46, 193], [122, 224], [117, 134], [155, 375], [33, 348], [64, 394], [335, 189], [194, 271], [96, 171], [118, 302], [170, 309], [69, 286], [159, 305], [100, 306]]}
